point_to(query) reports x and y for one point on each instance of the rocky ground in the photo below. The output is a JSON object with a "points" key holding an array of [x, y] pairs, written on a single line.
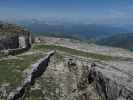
{"points": [[83, 46], [70, 75]]}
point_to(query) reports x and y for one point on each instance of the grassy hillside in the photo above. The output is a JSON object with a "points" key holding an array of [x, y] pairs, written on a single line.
{"points": [[123, 40]]}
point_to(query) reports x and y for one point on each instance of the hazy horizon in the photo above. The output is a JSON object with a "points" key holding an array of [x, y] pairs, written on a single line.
{"points": [[117, 12]]}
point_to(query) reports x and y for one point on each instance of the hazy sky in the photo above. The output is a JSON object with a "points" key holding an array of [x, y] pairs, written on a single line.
{"points": [[90, 10]]}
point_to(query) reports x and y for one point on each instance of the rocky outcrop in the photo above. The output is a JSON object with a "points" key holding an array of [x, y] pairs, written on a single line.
{"points": [[21, 40], [38, 69], [14, 47], [9, 43], [110, 84], [75, 78], [107, 88], [13, 37]]}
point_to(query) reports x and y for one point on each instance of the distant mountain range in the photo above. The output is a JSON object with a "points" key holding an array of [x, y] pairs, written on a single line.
{"points": [[98, 33]]}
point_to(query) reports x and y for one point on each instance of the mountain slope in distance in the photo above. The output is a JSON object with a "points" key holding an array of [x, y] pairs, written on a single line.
{"points": [[122, 40], [70, 29], [97, 33]]}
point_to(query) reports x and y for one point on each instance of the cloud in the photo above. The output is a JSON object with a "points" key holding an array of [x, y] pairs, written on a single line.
{"points": [[117, 13]]}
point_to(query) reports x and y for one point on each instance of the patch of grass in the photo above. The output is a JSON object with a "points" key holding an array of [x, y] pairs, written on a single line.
{"points": [[8, 71], [72, 51], [11, 70]]}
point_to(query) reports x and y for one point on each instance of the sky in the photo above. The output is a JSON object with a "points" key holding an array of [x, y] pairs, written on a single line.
{"points": [[98, 11]]}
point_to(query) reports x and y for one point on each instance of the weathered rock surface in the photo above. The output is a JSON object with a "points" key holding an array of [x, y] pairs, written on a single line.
{"points": [[109, 88], [110, 82], [22, 40], [75, 78], [13, 37]]}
